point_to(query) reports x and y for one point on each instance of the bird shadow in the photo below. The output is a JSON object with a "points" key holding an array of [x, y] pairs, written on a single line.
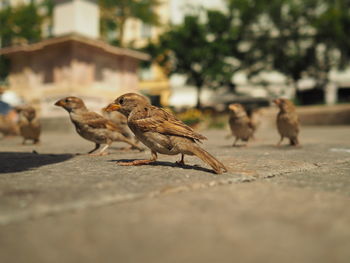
{"points": [[12, 162], [169, 164]]}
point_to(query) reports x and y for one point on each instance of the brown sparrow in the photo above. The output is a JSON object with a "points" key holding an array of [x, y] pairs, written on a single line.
{"points": [[242, 127], [287, 121], [8, 124], [161, 131], [92, 126], [29, 124], [119, 120]]}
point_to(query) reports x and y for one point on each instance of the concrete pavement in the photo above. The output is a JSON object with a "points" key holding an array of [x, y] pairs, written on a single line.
{"points": [[59, 207]]}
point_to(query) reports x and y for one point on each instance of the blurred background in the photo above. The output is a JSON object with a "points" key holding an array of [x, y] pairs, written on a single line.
{"points": [[181, 54]]}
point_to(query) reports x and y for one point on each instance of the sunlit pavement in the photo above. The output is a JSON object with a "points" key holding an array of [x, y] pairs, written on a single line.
{"points": [[276, 204]]}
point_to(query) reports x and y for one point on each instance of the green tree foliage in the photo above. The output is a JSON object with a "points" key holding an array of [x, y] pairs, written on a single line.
{"points": [[27, 23], [295, 37], [20, 24], [115, 13], [210, 46], [6, 30], [290, 41], [333, 32], [309, 37], [189, 49]]}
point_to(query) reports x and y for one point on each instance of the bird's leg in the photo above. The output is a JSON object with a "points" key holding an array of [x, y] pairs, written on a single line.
{"points": [[294, 141], [24, 141], [97, 145], [102, 151], [234, 143], [181, 162], [140, 162], [280, 141]]}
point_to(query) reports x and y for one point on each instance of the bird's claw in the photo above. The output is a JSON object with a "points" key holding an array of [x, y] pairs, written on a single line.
{"points": [[135, 162], [98, 154], [180, 163]]}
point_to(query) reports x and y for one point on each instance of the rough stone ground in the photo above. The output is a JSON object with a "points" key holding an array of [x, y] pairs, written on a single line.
{"points": [[276, 204]]}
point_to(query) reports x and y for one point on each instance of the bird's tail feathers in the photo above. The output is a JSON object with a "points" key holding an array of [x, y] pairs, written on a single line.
{"points": [[209, 159]]}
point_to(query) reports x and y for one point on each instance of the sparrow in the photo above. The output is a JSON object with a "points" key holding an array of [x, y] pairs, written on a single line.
{"points": [[241, 125], [29, 124], [287, 121], [93, 126], [119, 120], [161, 131]]}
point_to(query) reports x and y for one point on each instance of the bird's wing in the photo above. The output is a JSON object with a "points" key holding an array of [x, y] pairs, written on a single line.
{"points": [[294, 121], [252, 124], [95, 120], [291, 119], [159, 120]]}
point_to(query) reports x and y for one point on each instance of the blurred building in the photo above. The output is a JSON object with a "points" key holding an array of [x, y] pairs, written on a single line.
{"points": [[73, 62]]}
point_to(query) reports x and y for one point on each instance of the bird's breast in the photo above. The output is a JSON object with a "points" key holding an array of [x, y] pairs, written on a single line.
{"points": [[157, 142]]}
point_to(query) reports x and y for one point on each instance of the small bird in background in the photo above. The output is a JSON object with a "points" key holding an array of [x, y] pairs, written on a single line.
{"points": [[161, 131], [29, 124], [287, 121], [93, 126], [121, 121], [241, 125]]}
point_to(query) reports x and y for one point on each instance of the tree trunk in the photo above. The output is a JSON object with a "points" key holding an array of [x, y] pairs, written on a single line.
{"points": [[296, 94], [199, 92]]}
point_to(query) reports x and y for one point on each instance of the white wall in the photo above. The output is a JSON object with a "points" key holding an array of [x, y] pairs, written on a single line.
{"points": [[77, 16]]}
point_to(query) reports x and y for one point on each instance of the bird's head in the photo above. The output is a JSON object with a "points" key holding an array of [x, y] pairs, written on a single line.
{"points": [[236, 109], [26, 111], [29, 113], [285, 105], [71, 103], [126, 103]]}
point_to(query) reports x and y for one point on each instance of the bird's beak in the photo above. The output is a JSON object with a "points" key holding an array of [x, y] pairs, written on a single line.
{"points": [[112, 107], [276, 101], [59, 103], [232, 107]]}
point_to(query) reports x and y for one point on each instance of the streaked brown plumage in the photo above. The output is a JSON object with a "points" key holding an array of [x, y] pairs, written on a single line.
{"points": [[119, 120], [241, 125], [8, 127], [161, 131], [29, 124], [287, 121], [92, 126]]}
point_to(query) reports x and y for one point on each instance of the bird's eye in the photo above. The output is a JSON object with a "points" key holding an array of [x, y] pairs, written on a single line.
{"points": [[66, 100], [121, 101]]}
